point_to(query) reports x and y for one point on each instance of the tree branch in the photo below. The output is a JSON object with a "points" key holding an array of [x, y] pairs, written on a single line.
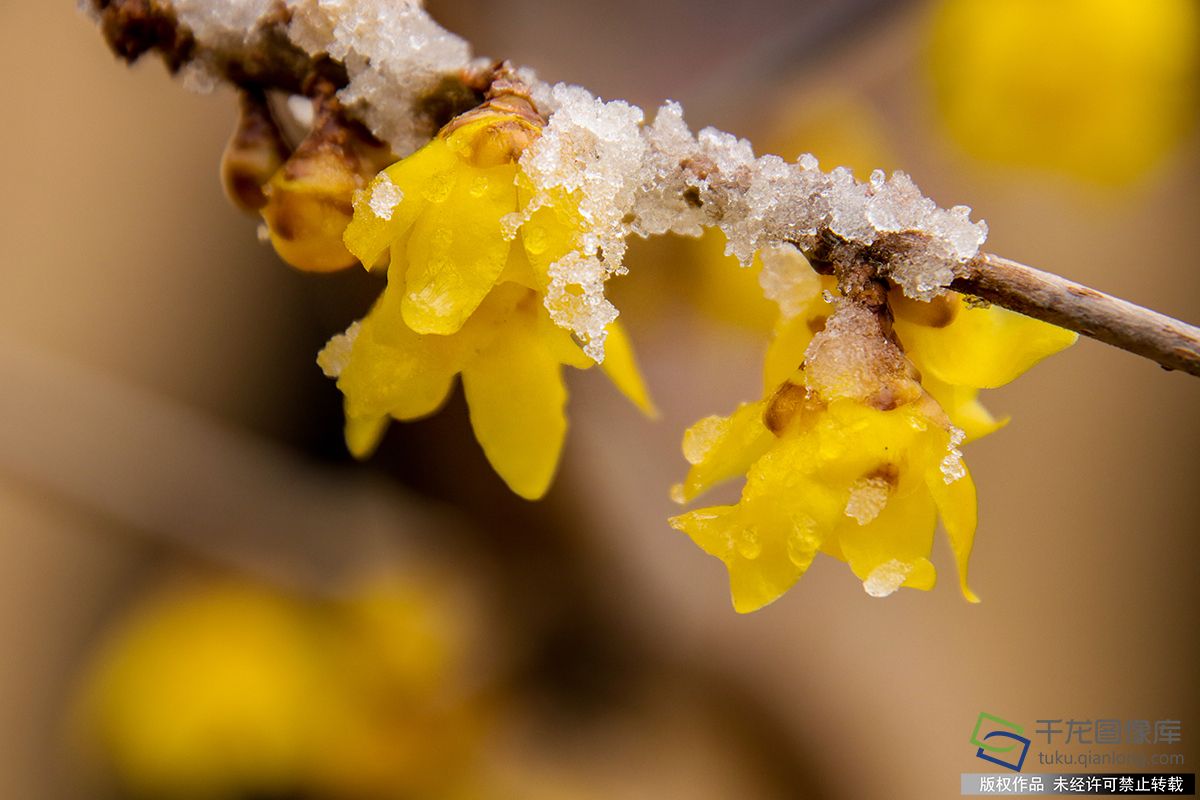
{"points": [[267, 60], [1054, 299]]}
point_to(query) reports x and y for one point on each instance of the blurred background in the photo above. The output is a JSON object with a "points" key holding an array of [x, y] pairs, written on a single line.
{"points": [[203, 596]]}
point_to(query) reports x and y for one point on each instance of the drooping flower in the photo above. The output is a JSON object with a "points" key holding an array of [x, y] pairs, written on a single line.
{"points": [[853, 450], [467, 271], [958, 347]]}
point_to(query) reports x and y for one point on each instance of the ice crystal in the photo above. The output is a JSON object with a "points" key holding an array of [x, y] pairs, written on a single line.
{"points": [[787, 279], [952, 466], [868, 496], [887, 578], [627, 177], [385, 196], [333, 359], [394, 53], [850, 358]]}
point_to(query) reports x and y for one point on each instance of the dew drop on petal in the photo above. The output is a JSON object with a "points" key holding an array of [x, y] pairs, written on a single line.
{"points": [[536, 239], [748, 544], [802, 543]]}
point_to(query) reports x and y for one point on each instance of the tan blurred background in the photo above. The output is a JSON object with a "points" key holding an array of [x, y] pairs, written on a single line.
{"points": [[162, 415]]}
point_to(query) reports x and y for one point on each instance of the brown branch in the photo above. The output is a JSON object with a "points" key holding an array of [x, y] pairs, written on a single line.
{"points": [[1051, 298], [269, 61]]}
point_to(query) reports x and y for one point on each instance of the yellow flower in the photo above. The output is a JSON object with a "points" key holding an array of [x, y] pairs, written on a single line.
{"points": [[960, 348], [227, 688], [858, 483], [861, 475], [464, 296], [1096, 89]]}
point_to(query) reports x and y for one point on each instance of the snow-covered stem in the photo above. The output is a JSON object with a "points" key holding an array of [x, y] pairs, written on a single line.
{"points": [[403, 87]]}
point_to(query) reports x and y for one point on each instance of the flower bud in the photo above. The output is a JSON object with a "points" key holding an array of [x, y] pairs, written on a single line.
{"points": [[309, 200], [254, 153]]}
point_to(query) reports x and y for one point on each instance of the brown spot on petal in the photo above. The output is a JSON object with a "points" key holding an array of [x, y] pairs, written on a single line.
{"points": [[788, 400], [887, 472]]}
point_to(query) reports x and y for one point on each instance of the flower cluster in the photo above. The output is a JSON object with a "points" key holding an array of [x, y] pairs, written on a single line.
{"points": [[464, 296], [497, 237], [853, 450]]}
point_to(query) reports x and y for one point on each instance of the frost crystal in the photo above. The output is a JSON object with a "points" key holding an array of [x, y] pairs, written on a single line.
{"points": [[868, 496], [887, 578], [627, 177], [653, 179], [575, 299], [394, 53], [593, 151], [221, 24], [701, 438], [385, 196], [953, 467], [850, 358], [333, 359], [787, 279]]}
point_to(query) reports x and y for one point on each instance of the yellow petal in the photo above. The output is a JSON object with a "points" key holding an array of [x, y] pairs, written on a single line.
{"points": [[720, 448], [559, 341], [457, 250], [369, 234], [621, 367], [552, 231], [961, 404], [393, 371], [786, 351], [792, 337], [363, 435], [979, 347], [515, 391], [764, 549], [892, 550], [956, 504]]}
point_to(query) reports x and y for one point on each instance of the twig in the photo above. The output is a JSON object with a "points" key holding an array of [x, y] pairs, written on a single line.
{"points": [[270, 61], [1054, 299]]}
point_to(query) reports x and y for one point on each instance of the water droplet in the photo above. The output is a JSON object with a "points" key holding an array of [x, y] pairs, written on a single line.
{"points": [[802, 543], [536, 239], [479, 187], [748, 544], [438, 187]]}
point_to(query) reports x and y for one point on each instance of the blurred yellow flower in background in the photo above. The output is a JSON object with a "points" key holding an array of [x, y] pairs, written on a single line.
{"points": [[1100, 90], [225, 688], [465, 296]]}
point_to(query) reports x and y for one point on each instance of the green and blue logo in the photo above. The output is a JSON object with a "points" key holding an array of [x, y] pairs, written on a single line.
{"points": [[999, 742]]}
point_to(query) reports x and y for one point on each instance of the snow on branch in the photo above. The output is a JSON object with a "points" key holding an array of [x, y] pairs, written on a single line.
{"points": [[403, 76]]}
